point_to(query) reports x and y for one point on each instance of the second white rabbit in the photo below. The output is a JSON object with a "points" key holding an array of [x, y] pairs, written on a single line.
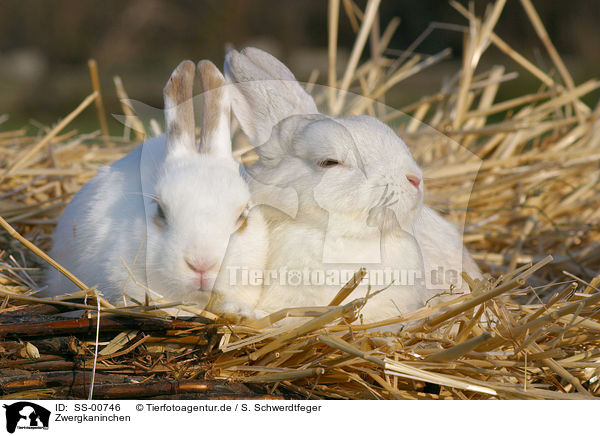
{"points": [[339, 193]]}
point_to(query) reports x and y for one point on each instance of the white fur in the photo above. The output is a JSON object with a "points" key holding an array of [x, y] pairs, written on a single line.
{"points": [[341, 217], [113, 220]]}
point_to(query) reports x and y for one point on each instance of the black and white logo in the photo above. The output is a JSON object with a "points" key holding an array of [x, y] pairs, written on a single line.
{"points": [[26, 415]]}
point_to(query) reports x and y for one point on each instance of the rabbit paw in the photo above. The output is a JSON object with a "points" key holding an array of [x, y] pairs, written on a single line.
{"points": [[236, 311]]}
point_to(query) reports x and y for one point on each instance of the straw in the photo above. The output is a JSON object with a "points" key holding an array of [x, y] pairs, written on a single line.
{"points": [[93, 67]]}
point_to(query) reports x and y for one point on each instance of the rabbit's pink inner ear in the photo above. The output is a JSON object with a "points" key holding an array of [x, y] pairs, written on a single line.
{"points": [[179, 109], [216, 135]]}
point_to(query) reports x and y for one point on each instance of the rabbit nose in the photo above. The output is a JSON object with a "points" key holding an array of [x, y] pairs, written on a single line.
{"points": [[201, 266], [414, 180]]}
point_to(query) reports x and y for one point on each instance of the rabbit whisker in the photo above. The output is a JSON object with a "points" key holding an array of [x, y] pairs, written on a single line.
{"points": [[145, 194]]}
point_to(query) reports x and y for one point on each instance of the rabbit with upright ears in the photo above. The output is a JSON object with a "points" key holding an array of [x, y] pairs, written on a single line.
{"points": [[170, 220], [338, 194]]}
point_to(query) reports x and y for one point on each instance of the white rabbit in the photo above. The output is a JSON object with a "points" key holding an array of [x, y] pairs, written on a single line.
{"points": [[177, 215], [339, 193]]}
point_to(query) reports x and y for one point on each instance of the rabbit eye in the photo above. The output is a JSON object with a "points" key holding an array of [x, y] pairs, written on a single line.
{"points": [[160, 213], [328, 163]]}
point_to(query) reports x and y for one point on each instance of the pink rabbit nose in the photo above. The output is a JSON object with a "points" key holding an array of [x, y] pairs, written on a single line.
{"points": [[414, 180], [201, 266]]}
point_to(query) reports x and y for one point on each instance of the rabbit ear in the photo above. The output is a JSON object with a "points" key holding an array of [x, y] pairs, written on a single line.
{"points": [[216, 136], [179, 110], [265, 92]]}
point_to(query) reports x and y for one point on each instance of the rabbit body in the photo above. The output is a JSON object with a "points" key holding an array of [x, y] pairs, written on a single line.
{"points": [[339, 194], [167, 220]]}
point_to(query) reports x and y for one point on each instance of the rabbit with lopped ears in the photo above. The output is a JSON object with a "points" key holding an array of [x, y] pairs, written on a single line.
{"points": [[338, 194], [168, 221]]}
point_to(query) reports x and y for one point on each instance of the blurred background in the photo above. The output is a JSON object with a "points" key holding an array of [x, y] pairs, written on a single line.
{"points": [[44, 46]]}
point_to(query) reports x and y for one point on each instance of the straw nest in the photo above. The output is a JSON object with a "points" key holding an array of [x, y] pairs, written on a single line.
{"points": [[526, 171]]}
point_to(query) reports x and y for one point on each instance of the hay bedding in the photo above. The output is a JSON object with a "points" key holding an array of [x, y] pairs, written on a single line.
{"points": [[532, 225]]}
